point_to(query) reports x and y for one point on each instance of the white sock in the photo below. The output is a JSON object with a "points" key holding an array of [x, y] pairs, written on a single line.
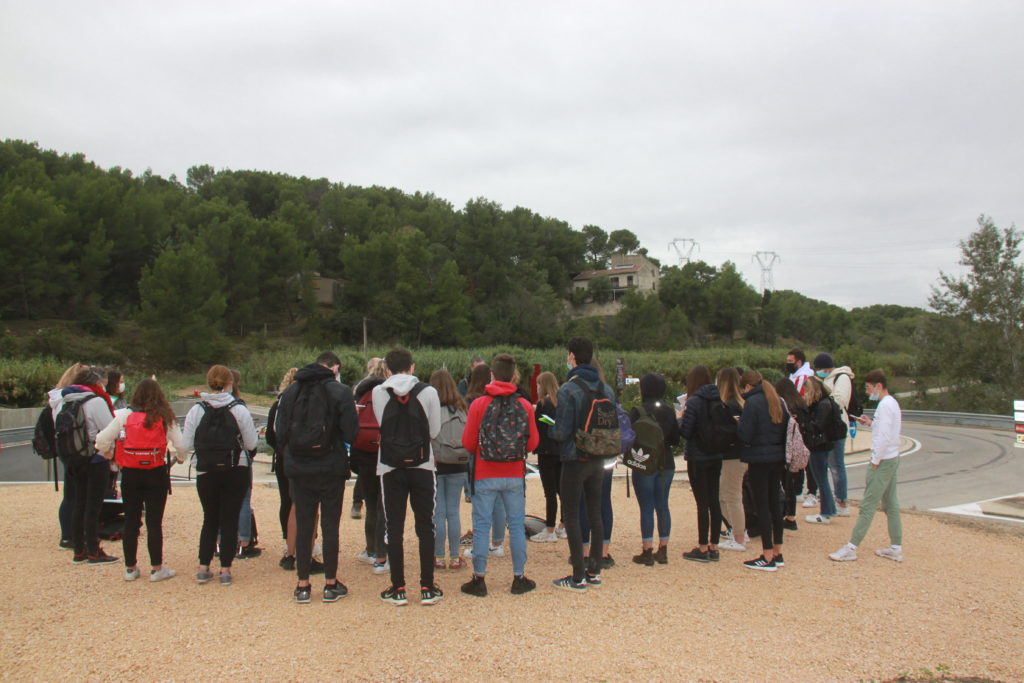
{"points": [[898, 548], [851, 546]]}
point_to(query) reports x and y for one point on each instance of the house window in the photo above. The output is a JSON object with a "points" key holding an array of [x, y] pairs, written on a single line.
{"points": [[615, 282], [629, 280]]}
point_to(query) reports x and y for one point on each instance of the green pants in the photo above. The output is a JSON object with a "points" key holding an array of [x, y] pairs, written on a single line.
{"points": [[880, 487]]}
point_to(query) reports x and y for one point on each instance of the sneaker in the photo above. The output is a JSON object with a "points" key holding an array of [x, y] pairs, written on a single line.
{"points": [[842, 510], [225, 579], [357, 511], [890, 554], [496, 550], [466, 538], [568, 584], [561, 533], [713, 555], [101, 558], [439, 563], [203, 575], [817, 519], [381, 567], [132, 574], [395, 595], [457, 563], [316, 567], [661, 555], [810, 500], [366, 558], [468, 552], [779, 562], [521, 584], [761, 564], [544, 537], [287, 563], [592, 580], [646, 558], [162, 574], [789, 524], [844, 554], [66, 544], [333, 591], [301, 594], [607, 562], [430, 595], [697, 555], [246, 552], [729, 544], [475, 586]]}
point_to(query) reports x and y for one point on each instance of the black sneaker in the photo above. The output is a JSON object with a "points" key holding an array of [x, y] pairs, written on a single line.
{"points": [[302, 593], [697, 555], [430, 595], [102, 558], [646, 558], [607, 562], [248, 551], [79, 558], [779, 562], [395, 595], [475, 586], [287, 563], [713, 555], [316, 567], [334, 591], [521, 584], [66, 544], [789, 524], [761, 564]]}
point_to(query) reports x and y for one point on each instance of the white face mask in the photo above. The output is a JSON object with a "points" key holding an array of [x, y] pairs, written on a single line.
{"points": [[120, 388], [337, 377], [874, 397], [568, 365]]}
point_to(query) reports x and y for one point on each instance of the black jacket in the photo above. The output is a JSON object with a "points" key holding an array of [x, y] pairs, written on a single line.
{"points": [[345, 424], [697, 412], [763, 440], [666, 417]]}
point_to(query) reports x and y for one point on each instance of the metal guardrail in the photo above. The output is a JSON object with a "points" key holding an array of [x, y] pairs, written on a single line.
{"points": [[964, 419]]}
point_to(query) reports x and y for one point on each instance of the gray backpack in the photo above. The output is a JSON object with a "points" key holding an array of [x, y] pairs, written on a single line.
{"points": [[447, 446]]}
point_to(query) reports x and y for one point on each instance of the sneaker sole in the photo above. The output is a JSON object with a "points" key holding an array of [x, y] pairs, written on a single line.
{"points": [[842, 559], [763, 569], [431, 601], [334, 599], [303, 601], [571, 589], [396, 603], [697, 559]]}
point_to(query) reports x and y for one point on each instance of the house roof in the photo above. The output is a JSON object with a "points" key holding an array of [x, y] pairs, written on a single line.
{"points": [[623, 270]]}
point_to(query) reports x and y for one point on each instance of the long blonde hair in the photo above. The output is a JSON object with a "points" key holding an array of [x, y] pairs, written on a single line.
{"points": [[754, 378], [728, 381], [547, 387], [287, 379], [68, 378], [814, 390]]}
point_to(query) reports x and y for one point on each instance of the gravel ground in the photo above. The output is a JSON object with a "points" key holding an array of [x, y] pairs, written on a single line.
{"points": [[955, 601]]}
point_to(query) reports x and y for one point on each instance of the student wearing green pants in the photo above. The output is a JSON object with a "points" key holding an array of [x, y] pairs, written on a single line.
{"points": [[881, 478]]}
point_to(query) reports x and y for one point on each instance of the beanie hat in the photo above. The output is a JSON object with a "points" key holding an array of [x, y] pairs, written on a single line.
{"points": [[652, 387], [823, 361]]}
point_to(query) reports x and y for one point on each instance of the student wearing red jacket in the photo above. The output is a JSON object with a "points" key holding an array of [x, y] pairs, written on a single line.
{"points": [[500, 431]]}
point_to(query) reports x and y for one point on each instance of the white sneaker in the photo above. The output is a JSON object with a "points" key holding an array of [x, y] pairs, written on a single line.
{"points": [[810, 500], [497, 550], [844, 554], [379, 568], [162, 574], [366, 559], [544, 537], [561, 533], [817, 519], [729, 544], [842, 511], [890, 553], [131, 574], [468, 552]]}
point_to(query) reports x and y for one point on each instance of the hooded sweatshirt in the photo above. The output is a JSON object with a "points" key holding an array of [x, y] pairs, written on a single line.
{"points": [[485, 469], [342, 416], [839, 383], [97, 413], [696, 412], [402, 384], [246, 428], [652, 395]]}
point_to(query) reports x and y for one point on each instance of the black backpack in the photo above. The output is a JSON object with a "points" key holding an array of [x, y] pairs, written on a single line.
{"points": [[835, 425], [311, 422], [404, 430], [854, 409], [648, 451], [599, 436], [44, 438], [218, 441], [716, 429], [504, 430], [71, 434]]}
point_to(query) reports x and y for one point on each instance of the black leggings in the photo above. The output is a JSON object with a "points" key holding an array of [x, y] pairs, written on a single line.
{"points": [[794, 483], [221, 494], [550, 472], [90, 486], [765, 481], [284, 491], [579, 478], [400, 489], [704, 479], [147, 488], [373, 510]]}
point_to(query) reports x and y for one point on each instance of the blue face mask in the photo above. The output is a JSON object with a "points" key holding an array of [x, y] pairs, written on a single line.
{"points": [[568, 365], [822, 374], [874, 397]]}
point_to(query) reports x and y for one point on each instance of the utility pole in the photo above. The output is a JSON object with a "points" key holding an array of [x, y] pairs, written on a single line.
{"points": [[766, 259], [686, 251]]}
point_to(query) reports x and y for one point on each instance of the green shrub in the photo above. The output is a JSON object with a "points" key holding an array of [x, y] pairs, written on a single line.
{"points": [[24, 383]]}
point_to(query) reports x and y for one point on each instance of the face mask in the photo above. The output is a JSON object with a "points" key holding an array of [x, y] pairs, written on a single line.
{"points": [[822, 374], [120, 388], [337, 377], [791, 368], [568, 365], [874, 397]]}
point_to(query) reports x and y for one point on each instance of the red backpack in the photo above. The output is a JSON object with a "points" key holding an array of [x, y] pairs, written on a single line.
{"points": [[141, 447], [368, 438]]}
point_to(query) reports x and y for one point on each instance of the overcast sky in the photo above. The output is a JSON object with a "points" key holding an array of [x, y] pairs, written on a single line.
{"points": [[857, 140]]}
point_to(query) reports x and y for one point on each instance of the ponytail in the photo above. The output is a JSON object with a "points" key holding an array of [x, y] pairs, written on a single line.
{"points": [[754, 378]]}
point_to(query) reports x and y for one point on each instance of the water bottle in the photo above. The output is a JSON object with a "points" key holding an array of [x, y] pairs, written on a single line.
{"points": [[853, 429]]}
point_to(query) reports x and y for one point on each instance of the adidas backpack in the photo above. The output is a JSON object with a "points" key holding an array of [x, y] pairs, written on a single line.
{"points": [[504, 430], [648, 452], [599, 436], [218, 441], [404, 430], [71, 433], [141, 447]]}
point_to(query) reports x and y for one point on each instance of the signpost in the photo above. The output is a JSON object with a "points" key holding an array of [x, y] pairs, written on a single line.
{"points": [[1018, 422]]}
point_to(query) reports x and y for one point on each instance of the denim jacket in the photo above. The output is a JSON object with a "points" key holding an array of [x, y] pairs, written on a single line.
{"points": [[571, 406]]}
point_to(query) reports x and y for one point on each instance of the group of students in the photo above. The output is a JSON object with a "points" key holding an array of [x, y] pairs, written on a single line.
{"points": [[422, 444]]}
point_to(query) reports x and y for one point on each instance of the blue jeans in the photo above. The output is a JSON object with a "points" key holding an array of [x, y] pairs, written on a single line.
{"points": [[446, 513], [819, 466], [488, 494], [607, 516], [499, 520], [652, 494], [837, 464]]}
